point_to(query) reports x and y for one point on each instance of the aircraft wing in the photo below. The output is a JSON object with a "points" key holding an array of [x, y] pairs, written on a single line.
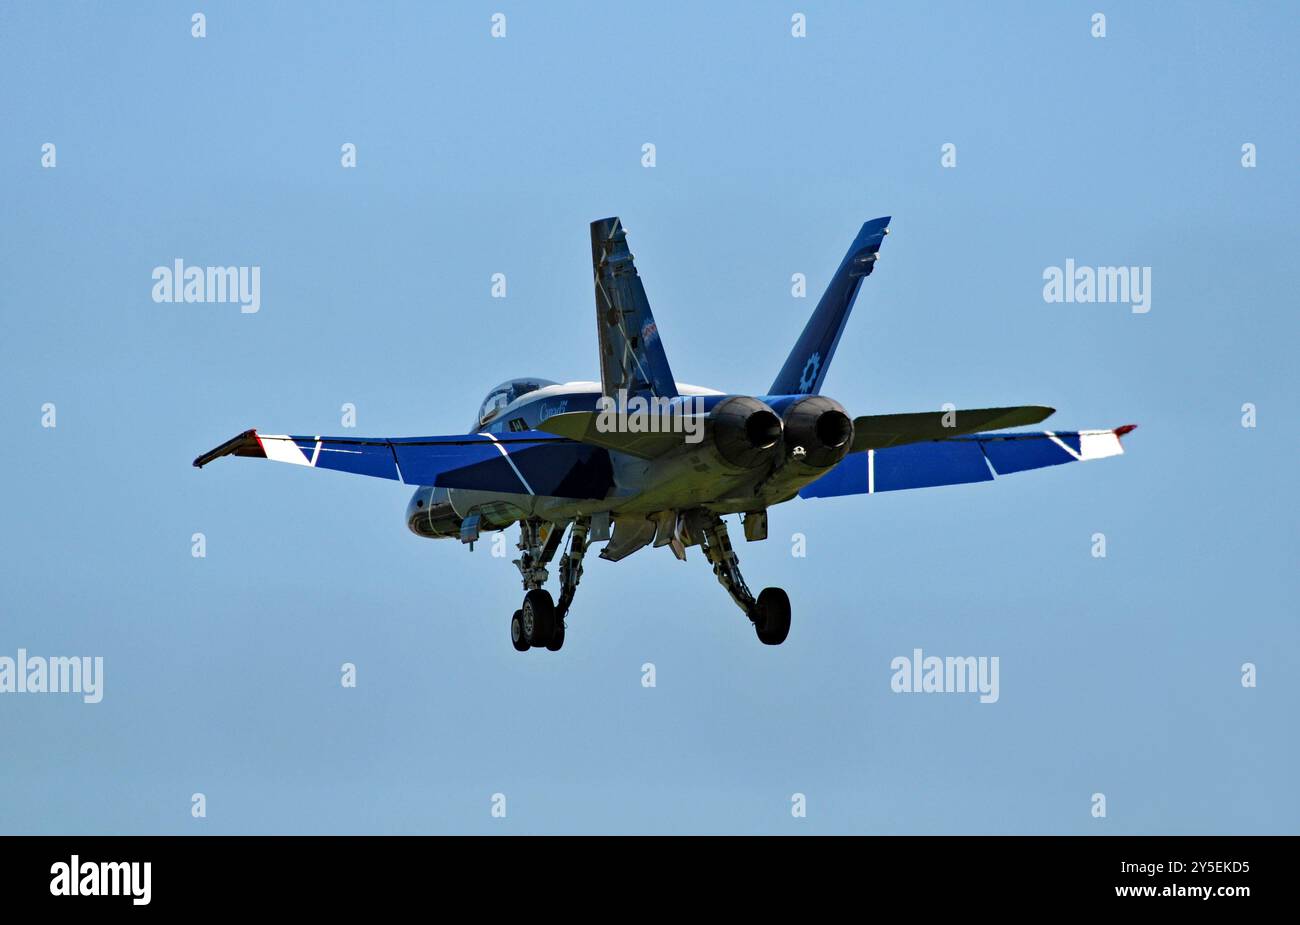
{"points": [[526, 462], [960, 460], [878, 431]]}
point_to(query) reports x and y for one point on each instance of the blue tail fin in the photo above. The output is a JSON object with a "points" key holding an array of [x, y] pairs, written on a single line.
{"points": [[631, 352], [805, 368]]}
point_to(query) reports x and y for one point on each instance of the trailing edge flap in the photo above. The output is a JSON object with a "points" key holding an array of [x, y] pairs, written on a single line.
{"points": [[876, 432], [582, 427]]}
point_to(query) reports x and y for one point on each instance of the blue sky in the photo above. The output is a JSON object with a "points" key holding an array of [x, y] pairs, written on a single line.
{"points": [[478, 155]]}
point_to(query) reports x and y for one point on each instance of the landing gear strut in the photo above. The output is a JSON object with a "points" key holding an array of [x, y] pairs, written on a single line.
{"points": [[540, 621], [770, 612]]}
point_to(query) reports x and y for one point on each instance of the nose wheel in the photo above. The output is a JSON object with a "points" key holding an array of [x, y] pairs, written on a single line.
{"points": [[517, 632], [534, 625], [539, 623]]}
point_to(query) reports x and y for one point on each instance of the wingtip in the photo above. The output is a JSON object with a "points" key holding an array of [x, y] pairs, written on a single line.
{"points": [[233, 445], [1127, 428]]}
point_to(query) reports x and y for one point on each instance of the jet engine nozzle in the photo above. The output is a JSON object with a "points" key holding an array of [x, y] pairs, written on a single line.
{"points": [[818, 432], [744, 430]]}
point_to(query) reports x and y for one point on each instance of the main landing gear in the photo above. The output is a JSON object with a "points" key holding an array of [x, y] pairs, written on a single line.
{"points": [[539, 623], [770, 612]]}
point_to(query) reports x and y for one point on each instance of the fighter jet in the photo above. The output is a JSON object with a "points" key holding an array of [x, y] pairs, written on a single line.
{"points": [[640, 460]]}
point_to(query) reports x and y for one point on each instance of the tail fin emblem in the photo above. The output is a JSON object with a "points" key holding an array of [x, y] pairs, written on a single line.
{"points": [[809, 375]]}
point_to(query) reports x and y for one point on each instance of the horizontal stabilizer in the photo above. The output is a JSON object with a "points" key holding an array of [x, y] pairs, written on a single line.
{"points": [[581, 426], [526, 462], [961, 460], [878, 431]]}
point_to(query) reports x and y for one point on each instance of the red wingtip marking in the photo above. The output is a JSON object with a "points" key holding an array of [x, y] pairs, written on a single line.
{"points": [[1121, 431]]}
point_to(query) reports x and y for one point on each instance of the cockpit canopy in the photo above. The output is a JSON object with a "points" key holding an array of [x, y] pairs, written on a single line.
{"points": [[505, 393]]}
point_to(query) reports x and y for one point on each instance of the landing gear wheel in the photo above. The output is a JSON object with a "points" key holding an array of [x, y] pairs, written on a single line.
{"points": [[772, 616], [557, 637], [517, 632], [538, 616]]}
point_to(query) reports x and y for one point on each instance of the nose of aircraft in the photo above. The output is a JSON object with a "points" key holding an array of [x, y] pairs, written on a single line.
{"points": [[418, 503]]}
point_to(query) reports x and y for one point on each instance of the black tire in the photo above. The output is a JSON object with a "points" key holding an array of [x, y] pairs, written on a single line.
{"points": [[517, 632], [538, 615], [772, 616], [557, 637]]}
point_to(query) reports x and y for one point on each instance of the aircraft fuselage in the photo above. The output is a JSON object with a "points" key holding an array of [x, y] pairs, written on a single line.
{"points": [[689, 476]]}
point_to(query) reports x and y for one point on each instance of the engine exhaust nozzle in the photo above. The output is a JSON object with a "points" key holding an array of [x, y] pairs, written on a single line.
{"points": [[745, 431], [818, 432]]}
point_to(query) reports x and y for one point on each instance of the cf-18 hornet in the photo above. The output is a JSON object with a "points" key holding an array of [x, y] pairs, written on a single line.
{"points": [[639, 459]]}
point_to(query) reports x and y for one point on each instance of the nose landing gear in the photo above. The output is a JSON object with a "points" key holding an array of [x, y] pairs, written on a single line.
{"points": [[517, 632], [539, 623]]}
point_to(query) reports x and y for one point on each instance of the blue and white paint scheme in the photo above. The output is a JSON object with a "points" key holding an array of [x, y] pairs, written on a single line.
{"points": [[541, 455]]}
